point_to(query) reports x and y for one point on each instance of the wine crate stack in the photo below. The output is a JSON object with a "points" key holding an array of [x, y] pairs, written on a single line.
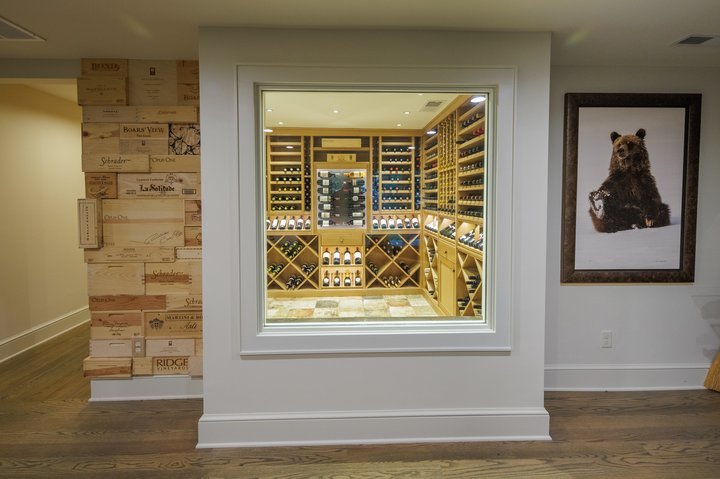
{"points": [[140, 220]]}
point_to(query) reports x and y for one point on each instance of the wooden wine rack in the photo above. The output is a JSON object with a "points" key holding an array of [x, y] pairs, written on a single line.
{"points": [[285, 174], [390, 265], [396, 176], [308, 254]]}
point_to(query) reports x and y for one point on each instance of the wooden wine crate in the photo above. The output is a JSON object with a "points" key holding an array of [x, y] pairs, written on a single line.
{"points": [[167, 185], [90, 229], [193, 213], [175, 163], [135, 146], [167, 324], [131, 254], [178, 277], [138, 346], [125, 302], [109, 114], [170, 347], [143, 222], [188, 94], [111, 278], [167, 114], [142, 366], [198, 347], [193, 236], [115, 67], [116, 163], [188, 71], [144, 130], [341, 142], [184, 139], [102, 90], [188, 253], [100, 138], [100, 185], [152, 82], [195, 366], [107, 367], [341, 157], [116, 324], [170, 365], [111, 348], [176, 301]]}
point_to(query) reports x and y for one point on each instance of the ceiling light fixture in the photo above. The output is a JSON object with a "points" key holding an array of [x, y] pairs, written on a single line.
{"points": [[281, 123], [269, 110], [431, 132], [336, 111], [477, 99], [406, 113], [267, 130], [398, 124], [289, 147]]}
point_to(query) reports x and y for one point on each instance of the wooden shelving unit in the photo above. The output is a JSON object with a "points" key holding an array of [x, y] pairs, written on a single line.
{"points": [[285, 179], [392, 260], [397, 165], [292, 262]]}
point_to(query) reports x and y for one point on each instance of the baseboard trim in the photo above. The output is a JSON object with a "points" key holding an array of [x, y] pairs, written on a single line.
{"points": [[624, 377], [145, 388], [373, 427], [19, 343]]}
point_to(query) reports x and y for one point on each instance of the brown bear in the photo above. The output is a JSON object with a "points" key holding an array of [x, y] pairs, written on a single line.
{"points": [[628, 198]]}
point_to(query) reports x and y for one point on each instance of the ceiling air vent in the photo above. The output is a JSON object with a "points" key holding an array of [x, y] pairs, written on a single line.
{"points": [[432, 105], [10, 32], [695, 40]]}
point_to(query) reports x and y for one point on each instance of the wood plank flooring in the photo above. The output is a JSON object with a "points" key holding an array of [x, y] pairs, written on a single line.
{"points": [[49, 430]]}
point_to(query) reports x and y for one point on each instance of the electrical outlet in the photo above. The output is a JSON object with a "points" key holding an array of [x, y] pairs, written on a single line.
{"points": [[606, 339]]}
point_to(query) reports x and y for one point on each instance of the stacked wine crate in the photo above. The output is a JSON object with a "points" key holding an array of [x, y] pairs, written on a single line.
{"points": [[140, 220]]}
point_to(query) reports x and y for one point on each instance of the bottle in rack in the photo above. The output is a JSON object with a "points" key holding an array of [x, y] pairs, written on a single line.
{"points": [[299, 223], [336, 279], [326, 257], [336, 256], [326, 279], [358, 279], [291, 224], [357, 256], [347, 282], [347, 257], [274, 224], [283, 223]]}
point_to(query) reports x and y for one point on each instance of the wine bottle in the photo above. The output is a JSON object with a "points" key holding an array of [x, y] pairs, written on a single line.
{"points": [[347, 282], [299, 225], [358, 278], [415, 223], [375, 224], [408, 224], [291, 224], [283, 223], [326, 256], [326, 279], [347, 257], [336, 256], [391, 223], [308, 225], [274, 224], [383, 223], [357, 256], [356, 222], [336, 279], [324, 198], [399, 223]]}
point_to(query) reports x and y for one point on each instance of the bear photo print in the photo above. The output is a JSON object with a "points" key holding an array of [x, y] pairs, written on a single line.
{"points": [[630, 187]]}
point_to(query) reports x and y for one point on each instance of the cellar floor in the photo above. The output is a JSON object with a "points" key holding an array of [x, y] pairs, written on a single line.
{"points": [[358, 308]]}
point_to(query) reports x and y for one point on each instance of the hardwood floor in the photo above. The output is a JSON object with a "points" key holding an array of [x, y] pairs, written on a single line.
{"points": [[49, 430]]}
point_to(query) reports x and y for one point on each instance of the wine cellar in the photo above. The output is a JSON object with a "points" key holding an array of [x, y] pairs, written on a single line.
{"points": [[372, 212]]}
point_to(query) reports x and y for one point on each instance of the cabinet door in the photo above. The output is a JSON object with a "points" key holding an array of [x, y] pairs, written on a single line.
{"points": [[446, 289]]}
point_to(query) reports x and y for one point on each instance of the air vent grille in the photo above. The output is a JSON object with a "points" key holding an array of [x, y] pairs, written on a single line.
{"points": [[695, 40], [432, 105], [10, 32]]}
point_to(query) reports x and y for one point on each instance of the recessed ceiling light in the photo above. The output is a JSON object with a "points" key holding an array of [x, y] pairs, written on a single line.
{"points": [[398, 124], [289, 147], [477, 99], [269, 110], [267, 130], [406, 113], [431, 132], [420, 94], [281, 123], [336, 111]]}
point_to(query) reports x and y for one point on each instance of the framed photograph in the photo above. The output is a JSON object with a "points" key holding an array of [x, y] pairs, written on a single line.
{"points": [[630, 180]]}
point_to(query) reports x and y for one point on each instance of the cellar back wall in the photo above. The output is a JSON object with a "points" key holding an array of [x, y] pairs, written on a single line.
{"points": [[400, 397]]}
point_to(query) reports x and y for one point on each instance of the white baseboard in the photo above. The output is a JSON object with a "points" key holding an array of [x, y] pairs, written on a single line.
{"points": [[142, 388], [373, 427], [19, 343], [624, 377]]}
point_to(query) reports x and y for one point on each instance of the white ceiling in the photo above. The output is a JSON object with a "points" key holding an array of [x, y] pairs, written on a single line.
{"points": [[608, 32]]}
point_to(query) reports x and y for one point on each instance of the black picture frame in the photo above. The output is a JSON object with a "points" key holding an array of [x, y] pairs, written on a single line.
{"points": [[654, 242]]}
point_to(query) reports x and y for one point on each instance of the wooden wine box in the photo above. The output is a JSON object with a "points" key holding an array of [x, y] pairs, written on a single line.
{"points": [[116, 163], [177, 277], [143, 222], [111, 348], [90, 227], [168, 324], [116, 324], [109, 114], [341, 142], [102, 90], [142, 366], [184, 139], [188, 71], [112, 278], [167, 185], [175, 302], [107, 367], [143, 138], [175, 163], [100, 185], [188, 94], [100, 138], [126, 302], [167, 114], [152, 82], [116, 67], [193, 236], [193, 213], [170, 365], [131, 254], [169, 347], [198, 347], [195, 366], [188, 253]]}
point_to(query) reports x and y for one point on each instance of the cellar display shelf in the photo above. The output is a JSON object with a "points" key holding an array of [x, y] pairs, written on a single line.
{"points": [[292, 254], [392, 260]]}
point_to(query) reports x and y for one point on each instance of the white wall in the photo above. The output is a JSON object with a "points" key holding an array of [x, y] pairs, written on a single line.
{"points": [[42, 274], [372, 397], [663, 335]]}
